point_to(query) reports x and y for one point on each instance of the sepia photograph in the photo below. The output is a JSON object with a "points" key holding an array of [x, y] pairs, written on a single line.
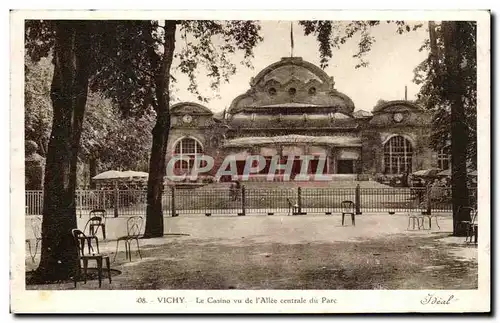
{"points": [[209, 163]]}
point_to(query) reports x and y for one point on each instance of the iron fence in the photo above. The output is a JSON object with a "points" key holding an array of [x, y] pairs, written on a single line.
{"points": [[393, 199], [242, 201], [207, 202], [268, 201], [325, 200], [34, 202]]}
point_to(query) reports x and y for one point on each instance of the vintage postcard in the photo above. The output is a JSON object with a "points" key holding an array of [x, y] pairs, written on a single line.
{"points": [[250, 162]]}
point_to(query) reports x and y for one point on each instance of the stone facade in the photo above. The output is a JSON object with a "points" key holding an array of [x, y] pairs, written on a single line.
{"points": [[293, 108]]}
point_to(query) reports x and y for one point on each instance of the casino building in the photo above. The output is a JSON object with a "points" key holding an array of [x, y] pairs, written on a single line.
{"points": [[292, 108]]}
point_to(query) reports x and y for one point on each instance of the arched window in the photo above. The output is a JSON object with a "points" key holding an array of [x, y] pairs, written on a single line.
{"points": [[187, 147], [398, 154], [444, 158]]}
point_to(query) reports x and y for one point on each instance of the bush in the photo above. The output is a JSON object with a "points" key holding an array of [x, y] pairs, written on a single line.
{"points": [[381, 178], [208, 179]]}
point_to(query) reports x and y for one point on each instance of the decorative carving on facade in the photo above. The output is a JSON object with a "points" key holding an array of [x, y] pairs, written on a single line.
{"points": [[291, 106]]}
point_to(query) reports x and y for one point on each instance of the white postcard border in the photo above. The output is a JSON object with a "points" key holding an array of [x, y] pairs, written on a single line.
{"points": [[109, 301]]}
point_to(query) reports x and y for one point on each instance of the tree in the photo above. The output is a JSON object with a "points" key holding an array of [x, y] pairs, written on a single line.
{"points": [[432, 94], [112, 140], [129, 61], [449, 90], [109, 138], [71, 44], [449, 85], [38, 107], [76, 56], [148, 57], [455, 38]]}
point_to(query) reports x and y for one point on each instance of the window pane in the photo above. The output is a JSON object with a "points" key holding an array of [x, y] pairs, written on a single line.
{"points": [[398, 155]]}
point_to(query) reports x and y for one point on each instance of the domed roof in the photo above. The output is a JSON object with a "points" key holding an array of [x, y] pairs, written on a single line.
{"points": [[289, 83], [288, 68]]}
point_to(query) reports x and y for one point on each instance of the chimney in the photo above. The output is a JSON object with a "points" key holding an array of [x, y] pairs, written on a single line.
{"points": [[406, 93]]}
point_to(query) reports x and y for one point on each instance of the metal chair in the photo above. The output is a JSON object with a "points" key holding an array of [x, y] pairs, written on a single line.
{"points": [[415, 217], [470, 226], [430, 216], [97, 220], [348, 209], [36, 227], [293, 208], [80, 238], [134, 227]]}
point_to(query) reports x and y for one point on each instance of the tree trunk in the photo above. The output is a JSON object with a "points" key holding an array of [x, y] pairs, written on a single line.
{"points": [[433, 45], [92, 170], [154, 212], [69, 96], [454, 89]]}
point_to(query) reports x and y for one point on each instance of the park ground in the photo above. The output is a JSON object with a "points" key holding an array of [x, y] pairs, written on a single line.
{"points": [[288, 252]]}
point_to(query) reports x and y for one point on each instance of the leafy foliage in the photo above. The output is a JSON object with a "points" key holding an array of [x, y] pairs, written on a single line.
{"points": [[433, 93], [210, 44], [332, 34], [128, 66], [38, 107], [116, 141], [130, 63]]}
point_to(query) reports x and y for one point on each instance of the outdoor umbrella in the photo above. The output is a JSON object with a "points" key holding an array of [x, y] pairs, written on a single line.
{"points": [[115, 176], [447, 172], [431, 172], [133, 173], [110, 174]]}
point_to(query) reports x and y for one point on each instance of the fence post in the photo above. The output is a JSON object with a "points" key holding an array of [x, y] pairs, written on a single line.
{"points": [[299, 200], [172, 204], [357, 199], [243, 201], [116, 201], [428, 192]]}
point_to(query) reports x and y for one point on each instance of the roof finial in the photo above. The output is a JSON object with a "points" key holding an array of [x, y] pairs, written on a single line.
{"points": [[291, 38]]}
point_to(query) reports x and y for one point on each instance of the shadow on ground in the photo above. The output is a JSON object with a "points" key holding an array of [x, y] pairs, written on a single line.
{"points": [[92, 275], [392, 262]]}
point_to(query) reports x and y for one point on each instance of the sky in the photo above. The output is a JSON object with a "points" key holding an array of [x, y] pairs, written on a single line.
{"points": [[392, 60]]}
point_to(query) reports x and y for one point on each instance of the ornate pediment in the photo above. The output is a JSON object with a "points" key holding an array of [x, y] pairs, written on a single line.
{"points": [[292, 81], [396, 106], [189, 108]]}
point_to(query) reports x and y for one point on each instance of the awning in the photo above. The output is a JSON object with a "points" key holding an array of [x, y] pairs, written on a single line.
{"points": [[292, 150], [315, 150], [348, 154], [338, 141], [242, 155], [268, 152]]}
